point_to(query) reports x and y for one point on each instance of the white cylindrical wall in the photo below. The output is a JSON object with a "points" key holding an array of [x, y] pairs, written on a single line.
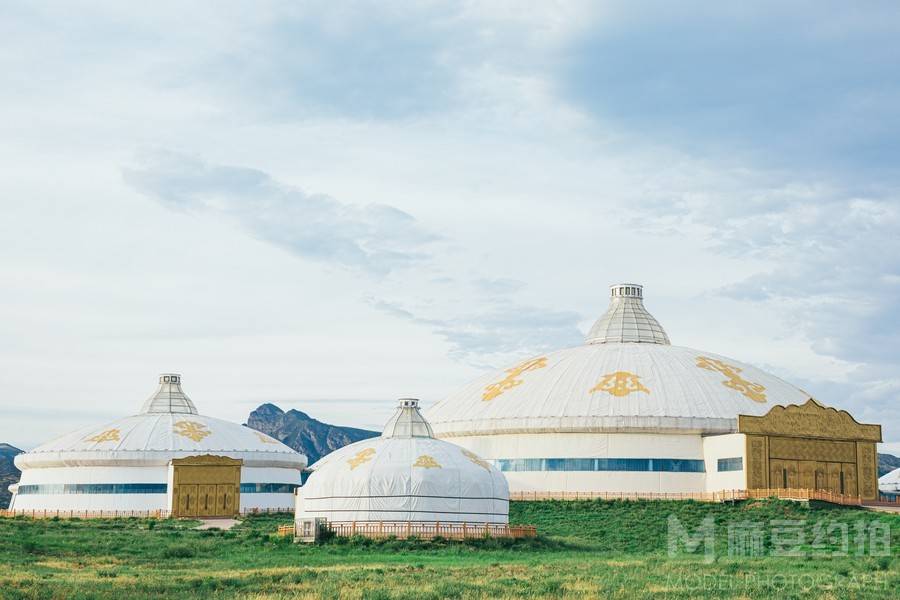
{"points": [[732, 445], [140, 502], [583, 445], [593, 445]]}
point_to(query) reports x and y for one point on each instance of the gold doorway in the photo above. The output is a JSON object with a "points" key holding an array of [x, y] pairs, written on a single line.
{"points": [[206, 486], [810, 446]]}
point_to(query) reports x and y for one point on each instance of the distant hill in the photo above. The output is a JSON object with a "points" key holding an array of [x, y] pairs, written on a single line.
{"points": [[9, 474], [887, 463], [304, 434]]}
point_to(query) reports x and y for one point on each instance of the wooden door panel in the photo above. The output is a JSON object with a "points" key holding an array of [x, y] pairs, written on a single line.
{"points": [[793, 473], [208, 500], [808, 474], [821, 476], [225, 500], [187, 500], [834, 477], [776, 473], [850, 482]]}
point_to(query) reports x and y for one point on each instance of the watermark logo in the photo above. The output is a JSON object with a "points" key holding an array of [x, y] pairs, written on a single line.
{"points": [[798, 538]]}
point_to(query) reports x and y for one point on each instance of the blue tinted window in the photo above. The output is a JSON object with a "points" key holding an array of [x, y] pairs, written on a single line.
{"points": [[94, 488], [268, 488], [677, 465], [731, 464], [141, 488]]}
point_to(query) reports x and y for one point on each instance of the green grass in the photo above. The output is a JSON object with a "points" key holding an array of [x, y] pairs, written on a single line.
{"points": [[586, 550]]}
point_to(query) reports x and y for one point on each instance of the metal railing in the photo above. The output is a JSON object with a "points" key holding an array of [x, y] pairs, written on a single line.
{"points": [[407, 529], [885, 500], [719, 496], [124, 514]]}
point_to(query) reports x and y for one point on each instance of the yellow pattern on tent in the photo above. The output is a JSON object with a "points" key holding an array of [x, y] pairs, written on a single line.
{"points": [[754, 391], [495, 389], [191, 430], [110, 435], [426, 462], [363, 456], [620, 383]]}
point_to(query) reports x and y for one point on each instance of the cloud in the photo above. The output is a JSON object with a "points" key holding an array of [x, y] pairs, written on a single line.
{"points": [[375, 238], [381, 60], [494, 336], [788, 84], [500, 285]]}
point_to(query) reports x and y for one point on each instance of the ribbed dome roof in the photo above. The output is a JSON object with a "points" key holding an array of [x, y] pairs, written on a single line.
{"points": [[626, 319], [167, 427], [626, 377], [407, 421], [169, 397]]}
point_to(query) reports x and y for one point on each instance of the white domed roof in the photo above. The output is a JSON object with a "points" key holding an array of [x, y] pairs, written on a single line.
{"points": [[627, 377], [405, 475], [890, 482], [169, 427]]}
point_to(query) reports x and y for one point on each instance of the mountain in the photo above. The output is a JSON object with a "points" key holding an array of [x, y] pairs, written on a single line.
{"points": [[887, 463], [304, 434], [9, 474]]}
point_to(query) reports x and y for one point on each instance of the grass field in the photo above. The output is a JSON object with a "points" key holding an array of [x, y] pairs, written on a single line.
{"points": [[585, 550]]}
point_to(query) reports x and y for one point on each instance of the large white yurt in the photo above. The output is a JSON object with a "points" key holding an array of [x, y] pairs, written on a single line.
{"points": [[166, 458], [404, 475], [629, 412]]}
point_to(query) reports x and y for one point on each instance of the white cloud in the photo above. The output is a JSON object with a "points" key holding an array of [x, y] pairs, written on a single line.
{"points": [[375, 238]]}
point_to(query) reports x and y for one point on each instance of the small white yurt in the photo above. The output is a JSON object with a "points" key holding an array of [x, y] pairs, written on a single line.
{"points": [[889, 483], [404, 475]]}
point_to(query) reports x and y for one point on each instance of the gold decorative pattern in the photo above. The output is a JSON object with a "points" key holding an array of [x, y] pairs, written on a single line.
{"points": [[427, 462], [207, 460], [191, 430], [620, 383], [754, 391], [110, 435], [757, 461], [206, 486], [495, 389], [868, 471], [265, 439], [811, 446], [363, 456], [810, 419], [477, 460], [817, 450]]}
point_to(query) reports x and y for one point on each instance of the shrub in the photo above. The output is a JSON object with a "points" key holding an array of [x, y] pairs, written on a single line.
{"points": [[108, 573]]}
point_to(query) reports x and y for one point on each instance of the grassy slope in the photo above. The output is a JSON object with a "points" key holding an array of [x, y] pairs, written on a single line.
{"points": [[589, 549]]}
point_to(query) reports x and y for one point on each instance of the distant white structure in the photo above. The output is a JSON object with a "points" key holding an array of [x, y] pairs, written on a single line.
{"points": [[165, 458], [889, 483], [629, 412], [404, 475]]}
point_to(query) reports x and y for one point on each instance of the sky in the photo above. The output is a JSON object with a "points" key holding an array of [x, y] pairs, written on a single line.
{"points": [[329, 205]]}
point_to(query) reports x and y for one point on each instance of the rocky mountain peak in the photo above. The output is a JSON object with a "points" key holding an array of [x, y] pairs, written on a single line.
{"points": [[303, 433]]}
